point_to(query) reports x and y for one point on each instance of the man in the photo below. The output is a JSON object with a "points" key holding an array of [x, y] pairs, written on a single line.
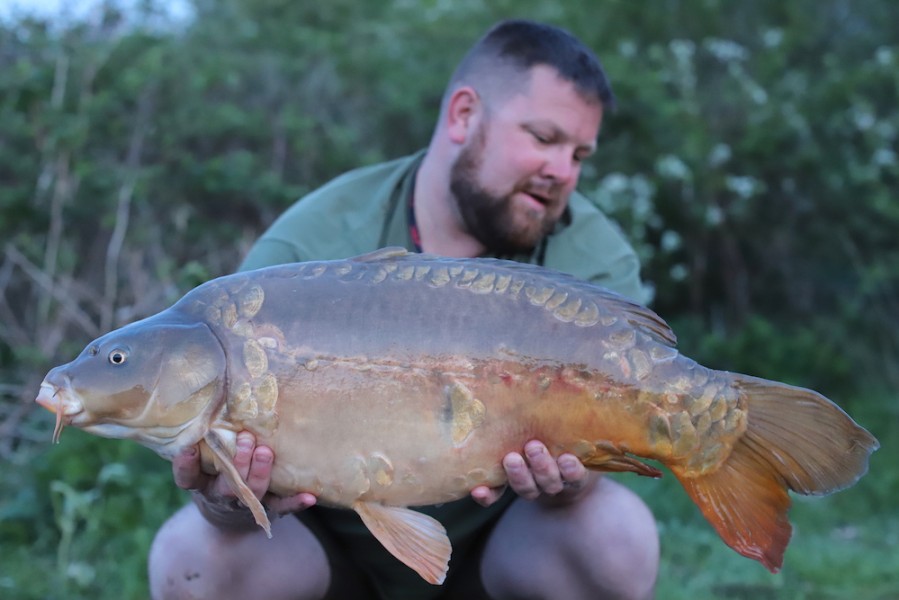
{"points": [[520, 114]]}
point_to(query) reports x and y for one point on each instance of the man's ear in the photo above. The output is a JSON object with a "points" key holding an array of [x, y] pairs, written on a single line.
{"points": [[462, 113]]}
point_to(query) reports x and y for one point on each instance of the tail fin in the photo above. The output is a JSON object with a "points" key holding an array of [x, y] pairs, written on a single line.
{"points": [[795, 438]]}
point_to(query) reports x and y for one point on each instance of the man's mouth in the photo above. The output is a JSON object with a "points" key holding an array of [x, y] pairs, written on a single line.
{"points": [[532, 202], [540, 200], [544, 194]]}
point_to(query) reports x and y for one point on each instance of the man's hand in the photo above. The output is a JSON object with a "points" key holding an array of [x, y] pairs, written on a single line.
{"points": [[536, 475], [214, 496]]}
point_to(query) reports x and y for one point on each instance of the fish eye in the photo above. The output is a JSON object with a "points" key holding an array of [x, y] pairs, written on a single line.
{"points": [[118, 357]]}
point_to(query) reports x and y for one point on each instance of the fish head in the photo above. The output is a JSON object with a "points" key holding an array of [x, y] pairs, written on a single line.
{"points": [[158, 381]]}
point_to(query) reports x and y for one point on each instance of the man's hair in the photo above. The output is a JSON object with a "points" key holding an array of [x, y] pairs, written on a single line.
{"points": [[511, 48]]}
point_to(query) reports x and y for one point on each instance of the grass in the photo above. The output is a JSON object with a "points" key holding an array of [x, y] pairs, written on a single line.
{"points": [[842, 547], [76, 521]]}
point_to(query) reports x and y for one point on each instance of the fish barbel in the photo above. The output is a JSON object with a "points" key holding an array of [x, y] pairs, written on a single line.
{"points": [[392, 380]]}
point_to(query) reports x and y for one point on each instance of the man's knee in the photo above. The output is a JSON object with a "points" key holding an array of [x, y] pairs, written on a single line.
{"points": [[179, 554], [604, 546], [190, 558], [626, 559]]}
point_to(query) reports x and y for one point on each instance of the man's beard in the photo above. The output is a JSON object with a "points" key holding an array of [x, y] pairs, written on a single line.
{"points": [[488, 217]]}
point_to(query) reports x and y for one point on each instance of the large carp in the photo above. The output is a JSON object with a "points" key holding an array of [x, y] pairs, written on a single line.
{"points": [[393, 379]]}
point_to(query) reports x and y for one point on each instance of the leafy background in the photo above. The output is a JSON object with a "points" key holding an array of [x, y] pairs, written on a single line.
{"points": [[752, 162]]}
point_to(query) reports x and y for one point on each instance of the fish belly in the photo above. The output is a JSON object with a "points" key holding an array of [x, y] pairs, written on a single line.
{"points": [[427, 433]]}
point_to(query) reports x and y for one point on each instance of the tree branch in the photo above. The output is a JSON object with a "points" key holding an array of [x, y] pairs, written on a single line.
{"points": [[59, 293]]}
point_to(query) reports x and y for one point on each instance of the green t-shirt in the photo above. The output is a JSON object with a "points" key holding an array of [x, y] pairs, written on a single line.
{"points": [[367, 209]]}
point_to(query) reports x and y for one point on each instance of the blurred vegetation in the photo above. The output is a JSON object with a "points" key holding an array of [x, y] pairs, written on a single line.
{"points": [[752, 162]]}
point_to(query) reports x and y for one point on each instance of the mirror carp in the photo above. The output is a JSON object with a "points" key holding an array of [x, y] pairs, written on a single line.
{"points": [[392, 380]]}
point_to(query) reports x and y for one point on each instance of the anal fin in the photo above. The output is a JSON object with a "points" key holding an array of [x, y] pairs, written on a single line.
{"points": [[614, 461], [225, 466], [746, 505], [415, 539]]}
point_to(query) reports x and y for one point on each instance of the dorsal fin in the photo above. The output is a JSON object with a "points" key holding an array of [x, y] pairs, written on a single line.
{"points": [[636, 314], [644, 318], [608, 300]]}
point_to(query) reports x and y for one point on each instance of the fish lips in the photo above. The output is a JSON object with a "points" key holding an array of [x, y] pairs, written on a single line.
{"points": [[53, 398], [56, 399]]}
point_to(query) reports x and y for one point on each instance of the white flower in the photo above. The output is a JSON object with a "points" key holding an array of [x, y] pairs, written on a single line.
{"points": [[671, 241], [884, 157], [673, 167], [744, 187], [884, 56], [726, 50], [772, 37], [719, 155]]}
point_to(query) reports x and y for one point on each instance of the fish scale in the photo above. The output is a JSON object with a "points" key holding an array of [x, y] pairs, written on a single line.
{"points": [[392, 380]]}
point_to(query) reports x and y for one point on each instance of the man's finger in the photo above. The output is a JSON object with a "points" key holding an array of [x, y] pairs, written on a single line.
{"points": [[260, 473], [574, 473], [544, 468], [520, 478], [485, 496], [186, 469], [243, 458], [289, 504]]}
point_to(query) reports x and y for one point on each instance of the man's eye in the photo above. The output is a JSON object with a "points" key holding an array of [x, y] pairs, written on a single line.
{"points": [[541, 138]]}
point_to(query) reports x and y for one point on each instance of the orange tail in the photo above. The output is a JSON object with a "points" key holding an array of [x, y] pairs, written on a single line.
{"points": [[795, 439]]}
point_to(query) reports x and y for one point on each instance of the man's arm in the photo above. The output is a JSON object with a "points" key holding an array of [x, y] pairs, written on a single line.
{"points": [[267, 252]]}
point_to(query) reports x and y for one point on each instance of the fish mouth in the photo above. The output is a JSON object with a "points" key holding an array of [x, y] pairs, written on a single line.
{"points": [[58, 400]]}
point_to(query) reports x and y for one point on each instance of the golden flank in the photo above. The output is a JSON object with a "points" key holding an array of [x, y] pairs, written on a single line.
{"points": [[392, 380]]}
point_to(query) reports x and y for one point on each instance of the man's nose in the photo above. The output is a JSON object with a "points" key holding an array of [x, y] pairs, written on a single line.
{"points": [[560, 166]]}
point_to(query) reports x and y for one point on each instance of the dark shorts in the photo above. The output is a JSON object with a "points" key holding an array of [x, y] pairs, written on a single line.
{"points": [[361, 567]]}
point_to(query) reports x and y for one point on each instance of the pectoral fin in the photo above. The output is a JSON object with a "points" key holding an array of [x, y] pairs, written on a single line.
{"points": [[417, 540], [225, 465]]}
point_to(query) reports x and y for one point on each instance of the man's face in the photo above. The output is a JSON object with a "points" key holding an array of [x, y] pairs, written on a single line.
{"points": [[512, 179]]}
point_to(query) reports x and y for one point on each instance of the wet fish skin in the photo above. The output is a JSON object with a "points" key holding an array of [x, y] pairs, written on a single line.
{"points": [[394, 380]]}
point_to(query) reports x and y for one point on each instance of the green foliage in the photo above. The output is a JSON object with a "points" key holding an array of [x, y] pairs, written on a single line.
{"points": [[77, 519], [810, 355]]}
